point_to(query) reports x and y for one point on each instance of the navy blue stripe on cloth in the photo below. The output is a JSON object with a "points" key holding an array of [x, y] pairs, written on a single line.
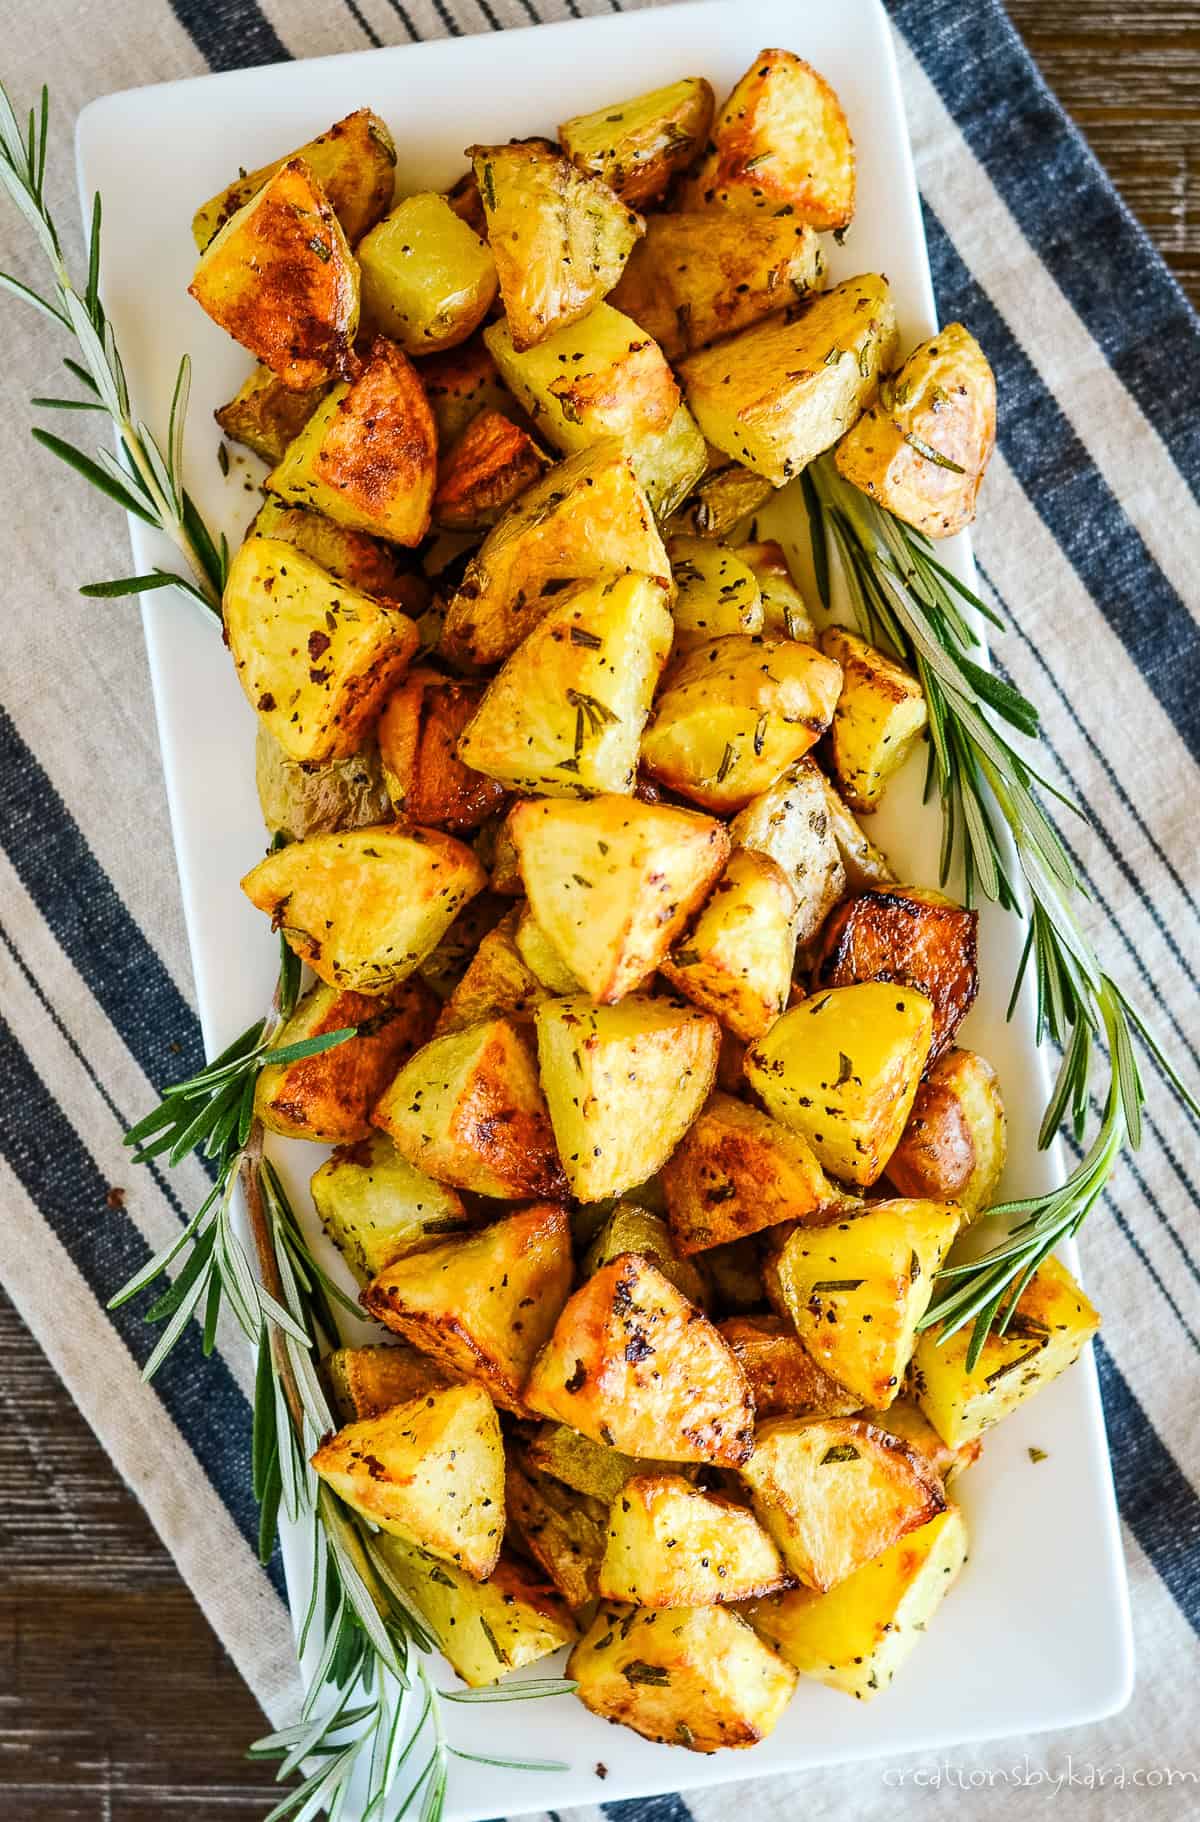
{"points": [[1067, 209], [87, 917], [648, 1809], [46, 1155], [1070, 496], [230, 34], [1157, 1501]]}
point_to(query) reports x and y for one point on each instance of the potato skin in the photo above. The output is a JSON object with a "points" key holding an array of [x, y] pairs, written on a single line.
{"points": [[498, 983], [631, 1229], [560, 1531], [367, 1381], [265, 415], [491, 464], [317, 797], [790, 823], [418, 735], [353, 557], [636, 147], [954, 1146], [722, 498], [354, 162], [784, 1378], [785, 610], [461, 383], [736, 1173], [280, 279], [913, 936], [428, 280], [588, 1467], [922, 448], [376, 1207], [329, 1097]]}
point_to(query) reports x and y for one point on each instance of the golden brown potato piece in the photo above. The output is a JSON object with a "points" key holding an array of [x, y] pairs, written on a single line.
{"points": [[265, 415], [418, 736], [880, 713], [636, 147], [498, 983], [715, 593], [377, 1208], [560, 238], [587, 517], [697, 1677], [907, 1421], [586, 1466], [725, 496], [560, 1531], [732, 714], [483, 1629], [355, 163], [566, 713], [857, 1286], [365, 907], [540, 956], [428, 280], [834, 1492], [736, 960], [705, 274], [467, 203], [634, 1365], [366, 1382], [778, 394], [468, 1110], [781, 141], [910, 935], [630, 1229], [790, 822], [865, 864], [329, 1097], [307, 797], [612, 882], [280, 279], [858, 1635], [784, 1379], [367, 458], [461, 383], [669, 1545], [737, 1172], [445, 965], [364, 563], [1046, 1333], [430, 1471], [785, 611], [623, 1084], [955, 1144], [922, 449], [482, 1304], [492, 463]]}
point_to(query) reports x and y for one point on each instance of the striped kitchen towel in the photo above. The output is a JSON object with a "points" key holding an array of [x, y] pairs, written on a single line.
{"points": [[1089, 541]]}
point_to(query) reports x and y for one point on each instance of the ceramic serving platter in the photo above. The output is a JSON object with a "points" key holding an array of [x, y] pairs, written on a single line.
{"points": [[1036, 1633]]}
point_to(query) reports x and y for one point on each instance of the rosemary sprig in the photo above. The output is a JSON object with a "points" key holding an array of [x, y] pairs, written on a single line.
{"points": [[905, 600]]}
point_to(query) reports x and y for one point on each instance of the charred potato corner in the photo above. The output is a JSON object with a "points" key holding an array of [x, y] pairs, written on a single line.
{"points": [[653, 1126]]}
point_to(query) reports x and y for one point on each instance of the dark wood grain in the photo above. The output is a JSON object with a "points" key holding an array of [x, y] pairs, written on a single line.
{"points": [[117, 1704]]}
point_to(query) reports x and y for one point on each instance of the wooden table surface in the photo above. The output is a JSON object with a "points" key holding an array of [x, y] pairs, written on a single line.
{"points": [[116, 1701]]}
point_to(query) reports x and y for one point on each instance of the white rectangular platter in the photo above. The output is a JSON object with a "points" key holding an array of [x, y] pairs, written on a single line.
{"points": [[1036, 1634]]}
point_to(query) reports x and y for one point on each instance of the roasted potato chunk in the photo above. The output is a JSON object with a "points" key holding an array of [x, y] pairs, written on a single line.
{"points": [[445, 965], [561, 1532], [483, 1629], [612, 882], [715, 593], [725, 496], [428, 280], [630, 1229], [851, 1103], [922, 449], [589, 1467], [560, 237], [366, 1382], [329, 1097], [317, 797], [778, 394], [955, 1144], [1046, 1333], [834, 1492], [701, 275], [498, 983], [482, 1304], [879, 715], [697, 1677], [459, 385], [907, 1421], [377, 1208], [587, 517], [858, 1635], [865, 864], [430, 1471], [636, 147], [781, 141], [738, 1172], [280, 279], [353, 557], [566, 713], [265, 415], [736, 961], [790, 822], [735, 1272], [418, 737], [623, 1084], [785, 611], [367, 458], [784, 1379], [732, 714], [492, 463], [541, 957], [669, 1545], [857, 1286], [355, 163], [604, 377], [468, 1109], [634, 1365], [913, 936], [365, 907], [314, 657]]}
